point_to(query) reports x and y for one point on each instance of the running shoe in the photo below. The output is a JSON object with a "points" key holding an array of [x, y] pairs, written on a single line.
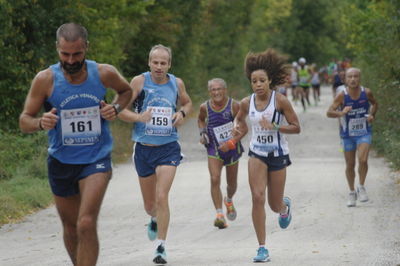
{"points": [[362, 193], [284, 219], [230, 210], [352, 199], [220, 221], [160, 255], [262, 255], [152, 230]]}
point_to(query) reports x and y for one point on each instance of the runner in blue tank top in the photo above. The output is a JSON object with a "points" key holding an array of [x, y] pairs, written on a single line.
{"points": [[76, 118], [356, 107], [215, 121], [271, 116], [157, 152]]}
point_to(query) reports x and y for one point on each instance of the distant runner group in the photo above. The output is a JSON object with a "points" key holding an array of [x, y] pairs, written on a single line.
{"points": [[76, 116]]}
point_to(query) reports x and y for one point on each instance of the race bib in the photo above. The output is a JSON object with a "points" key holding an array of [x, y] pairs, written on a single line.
{"points": [[161, 121], [80, 126], [264, 141], [357, 126], [223, 133]]}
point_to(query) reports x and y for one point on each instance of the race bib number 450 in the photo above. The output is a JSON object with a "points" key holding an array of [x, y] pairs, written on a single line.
{"points": [[81, 126]]}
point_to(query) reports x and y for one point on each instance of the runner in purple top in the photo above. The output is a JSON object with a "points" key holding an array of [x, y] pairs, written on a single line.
{"points": [[216, 123]]}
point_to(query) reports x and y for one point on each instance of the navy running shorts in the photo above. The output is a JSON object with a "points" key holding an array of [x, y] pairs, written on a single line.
{"points": [[273, 163], [64, 178], [147, 158]]}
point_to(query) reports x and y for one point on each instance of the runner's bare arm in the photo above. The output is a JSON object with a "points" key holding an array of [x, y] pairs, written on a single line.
{"points": [[40, 90], [293, 126], [235, 107], [201, 122], [333, 108], [185, 103], [201, 118], [127, 114], [111, 78], [239, 125], [374, 106]]}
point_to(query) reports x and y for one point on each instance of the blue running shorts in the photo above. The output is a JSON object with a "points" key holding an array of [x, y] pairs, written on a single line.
{"points": [[351, 143], [147, 158], [64, 178], [273, 163]]}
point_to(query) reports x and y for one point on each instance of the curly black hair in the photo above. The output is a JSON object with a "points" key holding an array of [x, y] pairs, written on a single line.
{"points": [[273, 63]]}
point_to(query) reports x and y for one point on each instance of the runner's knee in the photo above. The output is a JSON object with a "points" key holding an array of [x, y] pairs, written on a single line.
{"points": [[86, 224]]}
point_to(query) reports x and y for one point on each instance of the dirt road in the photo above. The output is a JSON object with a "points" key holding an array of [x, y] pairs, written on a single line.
{"points": [[323, 231]]}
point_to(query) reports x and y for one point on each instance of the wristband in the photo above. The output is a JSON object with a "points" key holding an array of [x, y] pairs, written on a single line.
{"points": [[40, 124], [183, 113], [117, 108], [276, 126], [231, 144], [202, 131]]}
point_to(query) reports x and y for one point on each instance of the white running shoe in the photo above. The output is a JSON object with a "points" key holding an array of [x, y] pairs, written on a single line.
{"points": [[352, 199], [362, 193]]}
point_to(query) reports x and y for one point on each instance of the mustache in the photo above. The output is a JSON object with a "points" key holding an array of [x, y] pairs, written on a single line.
{"points": [[72, 68]]}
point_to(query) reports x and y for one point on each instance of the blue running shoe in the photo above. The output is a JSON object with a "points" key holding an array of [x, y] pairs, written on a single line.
{"points": [[152, 230], [262, 255], [284, 219], [161, 256]]}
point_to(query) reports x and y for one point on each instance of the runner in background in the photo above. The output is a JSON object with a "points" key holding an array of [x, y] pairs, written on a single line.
{"points": [[315, 83], [215, 123], [304, 81], [356, 107]]}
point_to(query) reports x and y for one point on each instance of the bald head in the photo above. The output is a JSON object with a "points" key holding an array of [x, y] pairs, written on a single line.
{"points": [[353, 69], [72, 32]]}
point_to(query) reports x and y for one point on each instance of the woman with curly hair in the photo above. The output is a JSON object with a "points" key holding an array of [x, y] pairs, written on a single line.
{"points": [[271, 116]]}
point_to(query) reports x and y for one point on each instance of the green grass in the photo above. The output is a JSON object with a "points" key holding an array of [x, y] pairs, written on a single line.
{"points": [[20, 196], [24, 186]]}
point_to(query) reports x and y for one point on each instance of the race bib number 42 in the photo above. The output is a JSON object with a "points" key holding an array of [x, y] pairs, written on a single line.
{"points": [[81, 126], [223, 133]]}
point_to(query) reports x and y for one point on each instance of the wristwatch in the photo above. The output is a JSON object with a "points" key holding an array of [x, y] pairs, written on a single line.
{"points": [[117, 107]]}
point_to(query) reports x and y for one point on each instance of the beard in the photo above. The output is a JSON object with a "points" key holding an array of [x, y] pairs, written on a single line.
{"points": [[72, 68]]}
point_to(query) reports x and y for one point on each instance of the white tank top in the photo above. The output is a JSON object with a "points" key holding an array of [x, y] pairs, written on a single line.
{"points": [[263, 141]]}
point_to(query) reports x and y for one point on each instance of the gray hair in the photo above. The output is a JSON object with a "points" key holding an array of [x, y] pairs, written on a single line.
{"points": [[72, 32], [218, 80], [160, 46]]}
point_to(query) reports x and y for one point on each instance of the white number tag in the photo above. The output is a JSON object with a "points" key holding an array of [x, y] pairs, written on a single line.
{"points": [[223, 133], [81, 126], [160, 123]]}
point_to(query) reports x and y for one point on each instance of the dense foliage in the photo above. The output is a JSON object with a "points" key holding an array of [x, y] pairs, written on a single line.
{"points": [[209, 38]]}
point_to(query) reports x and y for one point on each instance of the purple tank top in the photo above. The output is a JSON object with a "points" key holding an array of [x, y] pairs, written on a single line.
{"points": [[218, 118]]}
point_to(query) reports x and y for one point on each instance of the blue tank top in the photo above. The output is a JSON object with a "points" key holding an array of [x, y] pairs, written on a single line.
{"points": [[354, 123], [80, 136], [219, 124], [161, 99]]}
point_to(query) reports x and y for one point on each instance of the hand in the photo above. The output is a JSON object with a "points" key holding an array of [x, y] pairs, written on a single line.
{"points": [[204, 139], [177, 119], [346, 109], [236, 130], [49, 119], [370, 118], [145, 116], [223, 147], [107, 111]]}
